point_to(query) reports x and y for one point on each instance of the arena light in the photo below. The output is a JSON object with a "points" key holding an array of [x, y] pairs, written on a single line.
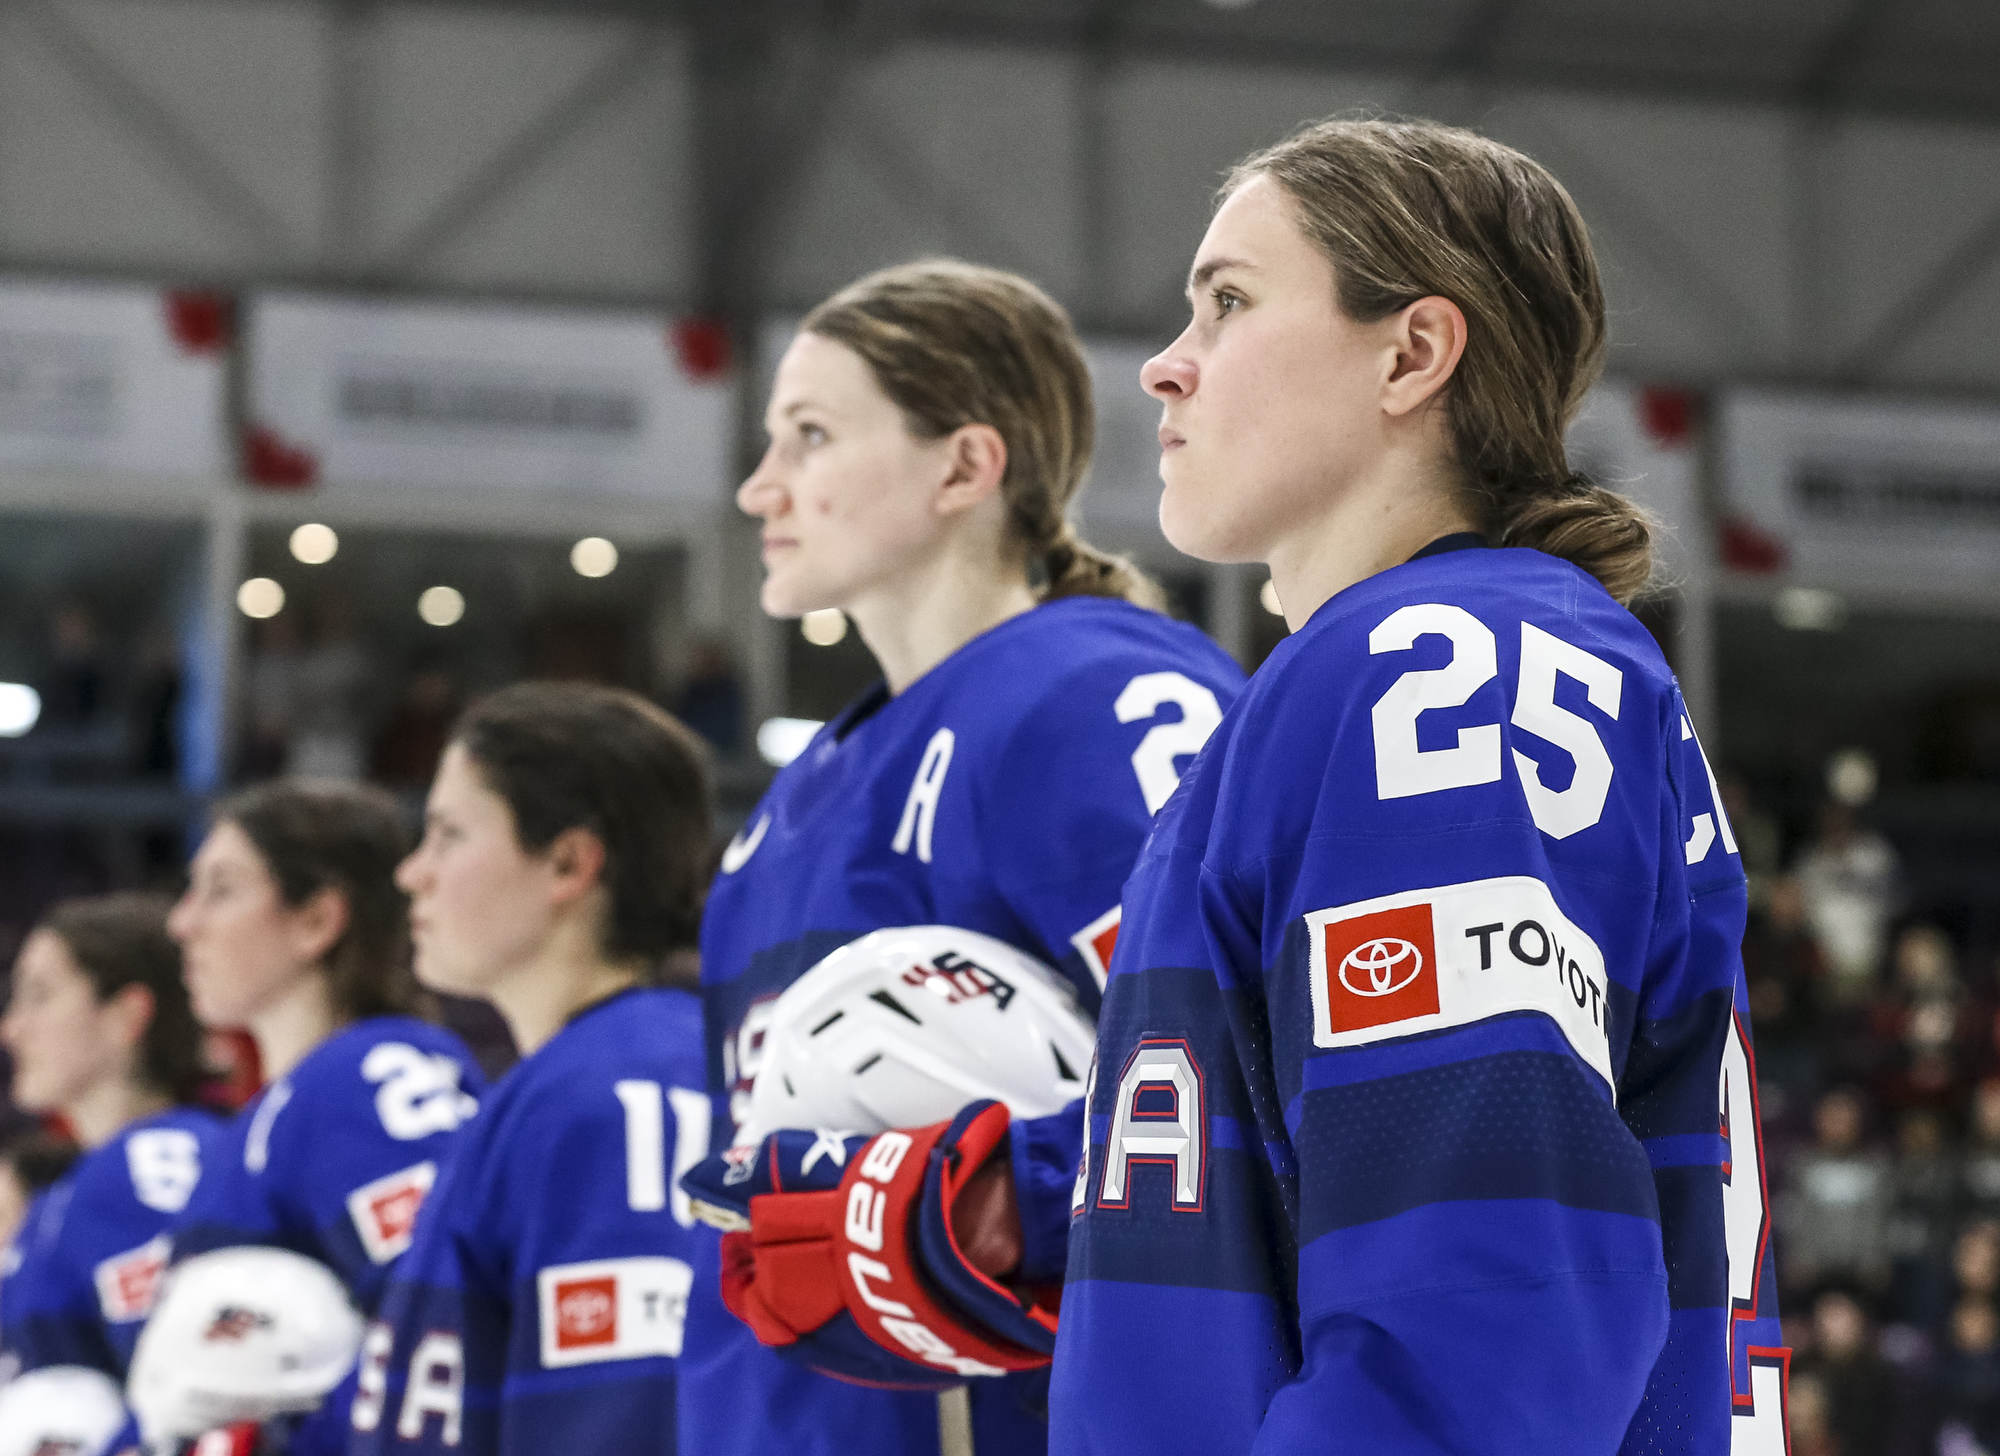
{"points": [[1809, 609], [593, 556], [20, 709], [780, 740], [1269, 597], [441, 606], [260, 598], [825, 627], [314, 544]]}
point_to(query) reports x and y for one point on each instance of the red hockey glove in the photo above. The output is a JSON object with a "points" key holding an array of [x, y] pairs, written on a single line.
{"points": [[866, 1279]]}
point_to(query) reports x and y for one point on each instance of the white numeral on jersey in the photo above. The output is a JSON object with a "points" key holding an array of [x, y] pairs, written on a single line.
{"points": [[920, 809], [693, 1113], [165, 1164], [648, 1187], [1157, 758], [1402, 769], [419, 1095], [1159, 1118], [1701, 836], [1759, 1425], [645, 1145], [1562, 812]]}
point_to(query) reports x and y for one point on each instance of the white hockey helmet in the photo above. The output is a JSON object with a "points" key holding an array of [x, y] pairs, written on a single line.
{"points": [[905, 1026], [241, 1334], [59, 1410]]}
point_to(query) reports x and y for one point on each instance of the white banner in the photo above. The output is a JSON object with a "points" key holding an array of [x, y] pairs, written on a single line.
{"points": [[112, 378], [1893, 500], [499, 398]]}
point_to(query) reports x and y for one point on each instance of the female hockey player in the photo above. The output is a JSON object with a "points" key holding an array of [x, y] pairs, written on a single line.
{"points": [[1404, 1135], [929, 429], [101, 1035], [292, 927], [566, 850]]}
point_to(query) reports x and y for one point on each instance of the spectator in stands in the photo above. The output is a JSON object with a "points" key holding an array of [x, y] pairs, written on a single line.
{"points": [[1979, 1169], [1862, 1393], [1922, 1208], [1835, 1215], [1785, 972], [73, 689], [1812, 1426], [1848, 875], [711, 696], [1967, 1395]]}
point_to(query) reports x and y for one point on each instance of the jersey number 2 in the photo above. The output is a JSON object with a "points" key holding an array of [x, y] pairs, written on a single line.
{"points": [[1156, 760]]}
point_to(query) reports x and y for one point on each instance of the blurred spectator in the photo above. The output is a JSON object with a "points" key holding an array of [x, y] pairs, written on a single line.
{"points": [[1922, 1209], [1862, 1392], [413, 739], [1835, 1216], [1979, 1169], [1924, 1025], [1848, 875], [711, 697], [269, 687], [1758, 839], [1785, 975], [1967, 1399], [73, 691], [328, 716], [1811, 1416]]}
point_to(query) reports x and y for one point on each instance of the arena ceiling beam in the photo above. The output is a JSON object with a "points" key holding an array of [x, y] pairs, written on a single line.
{"points": [[154, 126]]}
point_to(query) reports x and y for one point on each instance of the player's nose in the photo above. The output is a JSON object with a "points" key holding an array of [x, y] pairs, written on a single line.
{"points": [[763, 494], [1169, 375]]}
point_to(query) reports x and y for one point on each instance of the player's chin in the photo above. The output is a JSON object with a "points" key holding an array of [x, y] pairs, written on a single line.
{"points": [[1193, 518]]}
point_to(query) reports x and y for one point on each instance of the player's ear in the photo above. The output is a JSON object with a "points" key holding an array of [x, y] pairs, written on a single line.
{"points": [[577, 858], [318, 924], [1426, 340], [130, 1008], [975, 464]]}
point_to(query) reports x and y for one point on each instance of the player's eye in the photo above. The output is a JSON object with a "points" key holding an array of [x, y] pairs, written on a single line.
{"points": [[811, 435], [1226, 301]]}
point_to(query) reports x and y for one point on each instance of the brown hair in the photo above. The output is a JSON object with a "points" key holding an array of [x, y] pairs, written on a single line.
{"points": [[119, 941], [1409, 209], [576, 755], [348, 838], [955, 344]]}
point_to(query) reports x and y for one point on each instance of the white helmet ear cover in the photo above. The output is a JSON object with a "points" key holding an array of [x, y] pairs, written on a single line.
{"points": [[59, 1408], [242, 1334], [905, 1026]]}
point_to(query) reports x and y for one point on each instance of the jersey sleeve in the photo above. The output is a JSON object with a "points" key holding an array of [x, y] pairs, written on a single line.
{"points": [[92, 1259], [335, 1162], [1105, 753], [542, 1307]]}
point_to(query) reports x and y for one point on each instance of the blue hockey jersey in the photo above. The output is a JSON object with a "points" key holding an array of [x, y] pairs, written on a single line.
{"points": [[334, 1159], [1423, 1118], [1005, 791], [540, 1308], [78, 1280]]}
